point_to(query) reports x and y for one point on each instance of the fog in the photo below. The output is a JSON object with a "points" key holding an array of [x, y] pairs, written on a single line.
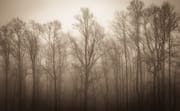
{"points": [[98, 55]]}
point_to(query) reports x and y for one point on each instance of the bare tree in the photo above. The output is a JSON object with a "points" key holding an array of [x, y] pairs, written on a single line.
{"points": [[17, 27], [56, 57], [105, 71], [120, 31], [33, 33], [115, 54], [172, 26], [5, 49], [135, 10], [87, 52], [158, 21]]}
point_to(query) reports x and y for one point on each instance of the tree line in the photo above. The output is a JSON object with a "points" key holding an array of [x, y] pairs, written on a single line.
{"points": [[132, 67]]}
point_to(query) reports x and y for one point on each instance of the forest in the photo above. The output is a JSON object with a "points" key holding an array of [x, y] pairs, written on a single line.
{"points": [[135, 66]]}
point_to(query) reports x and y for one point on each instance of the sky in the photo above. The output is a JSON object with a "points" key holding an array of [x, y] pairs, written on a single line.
{"points": [[64, 10]]}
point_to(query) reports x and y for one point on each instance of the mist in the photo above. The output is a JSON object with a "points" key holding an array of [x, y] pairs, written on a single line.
{"points": [[118, 55]]}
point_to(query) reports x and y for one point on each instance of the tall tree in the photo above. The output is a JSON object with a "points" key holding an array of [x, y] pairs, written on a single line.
{"points": [[159, 23], [5, 49], [120, 30], [169, 24], [135, 11], [87, 52], [33, 32], [105, 71], [56, 56], [116, 58], [17, 32]]}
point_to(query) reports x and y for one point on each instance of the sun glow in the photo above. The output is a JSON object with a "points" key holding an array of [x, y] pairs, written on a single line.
{"points": [[65, 10], [62, 10]]}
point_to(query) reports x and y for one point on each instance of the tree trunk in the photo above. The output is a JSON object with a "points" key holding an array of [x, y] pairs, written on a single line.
{"points": [[85, 92], [169, 63], [126, 66], [20, 74], [6, 80], [55, 94], [34, 86]]}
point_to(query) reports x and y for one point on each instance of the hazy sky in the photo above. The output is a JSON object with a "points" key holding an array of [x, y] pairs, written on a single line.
{"points": [[64, 10]]}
